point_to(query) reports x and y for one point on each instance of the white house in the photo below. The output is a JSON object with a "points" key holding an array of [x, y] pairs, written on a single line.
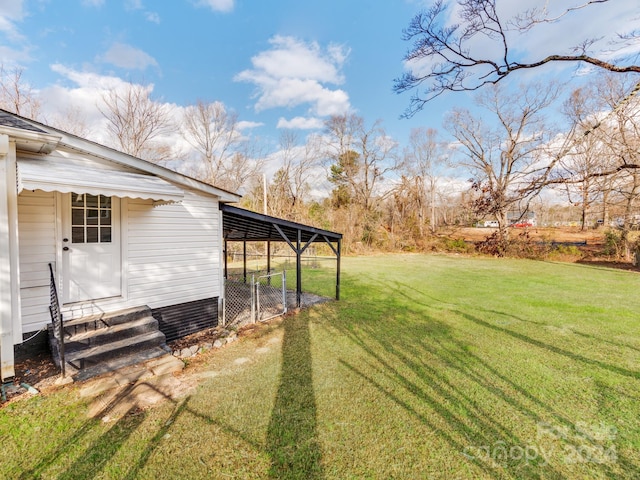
{"points": [[118, 232]]}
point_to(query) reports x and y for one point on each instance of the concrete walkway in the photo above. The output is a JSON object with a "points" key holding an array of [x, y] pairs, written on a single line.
{"points": [[135, 387]]}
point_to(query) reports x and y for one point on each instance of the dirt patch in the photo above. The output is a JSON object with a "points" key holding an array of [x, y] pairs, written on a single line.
{"points": [[37, 371], [598, 262], [547, 234], [209, 335]]}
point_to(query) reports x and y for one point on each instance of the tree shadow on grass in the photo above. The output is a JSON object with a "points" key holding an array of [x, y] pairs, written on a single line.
{"points": [[292, 441], [398, 366], [103, 449]]}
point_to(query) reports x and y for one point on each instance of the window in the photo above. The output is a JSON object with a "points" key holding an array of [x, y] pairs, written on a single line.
{"points": [[90, 218]]}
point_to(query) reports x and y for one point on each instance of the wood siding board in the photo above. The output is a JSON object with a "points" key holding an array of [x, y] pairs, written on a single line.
{"points": [[36, 234]]}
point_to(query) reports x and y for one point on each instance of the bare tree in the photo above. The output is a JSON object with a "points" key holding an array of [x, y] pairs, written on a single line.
{"points": [[504, 158], [601, 151], [228, 159], [71, 120], [213, 132], [241, 167], [448, 60], [425, 158], [136, 122], [16, 95], [291, 182], [361, 157], [619, 133], [584, 159]]}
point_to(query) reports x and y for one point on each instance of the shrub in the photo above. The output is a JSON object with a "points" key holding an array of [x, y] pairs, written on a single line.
{"points": [[564, 252], [612, 243], [457, 245], [570, 250]]}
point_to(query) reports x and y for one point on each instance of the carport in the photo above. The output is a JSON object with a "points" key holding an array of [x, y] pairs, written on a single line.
{"points": [[240, 225]]}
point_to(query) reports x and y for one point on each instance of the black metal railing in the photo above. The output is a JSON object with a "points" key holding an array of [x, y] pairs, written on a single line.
{"points": [[56, 318]]}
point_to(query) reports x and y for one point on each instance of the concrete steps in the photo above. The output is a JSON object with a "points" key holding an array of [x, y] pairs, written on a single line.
{"points": [[99, 344]]}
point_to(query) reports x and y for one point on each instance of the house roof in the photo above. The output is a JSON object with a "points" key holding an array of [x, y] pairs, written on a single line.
{"points": [[36, 137], [240, 224], [11, 120]]}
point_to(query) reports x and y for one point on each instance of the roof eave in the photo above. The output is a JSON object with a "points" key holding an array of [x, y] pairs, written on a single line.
{"points": [[87, 146], [45, 143], [29, 141]]}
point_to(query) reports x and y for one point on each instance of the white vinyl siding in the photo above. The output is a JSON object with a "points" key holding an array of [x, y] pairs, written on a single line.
{"points": [[173, 251], [170, 255], [37, 241]]}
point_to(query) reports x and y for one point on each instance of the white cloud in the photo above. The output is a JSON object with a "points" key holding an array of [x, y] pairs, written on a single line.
{"points": [[133, 4], [137, 5], [83, 92], [216, 5], [301, 123], [246, 125], [126, 56], [84, 95], [152, 17], [293, 73], [87, 79], [13, 57], [11, 11], [292, 58]]}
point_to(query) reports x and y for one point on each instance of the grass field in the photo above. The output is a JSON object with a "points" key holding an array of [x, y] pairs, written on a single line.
{"points": [[429, 367]]}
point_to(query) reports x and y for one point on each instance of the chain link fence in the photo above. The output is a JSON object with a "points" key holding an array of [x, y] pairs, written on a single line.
{"points": [[271, 296], [258, 298], [251, 274], [238, 302]]}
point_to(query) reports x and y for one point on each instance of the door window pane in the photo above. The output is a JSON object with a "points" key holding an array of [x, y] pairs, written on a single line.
{"points": [[77, 216], [92, 200], [105, 217], [77, 235], [105, 234], [77, 200], [91, 218], [92, 234]]}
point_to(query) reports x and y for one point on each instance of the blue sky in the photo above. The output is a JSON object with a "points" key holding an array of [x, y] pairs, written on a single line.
{"points": [[277, 63], [347, 53]]}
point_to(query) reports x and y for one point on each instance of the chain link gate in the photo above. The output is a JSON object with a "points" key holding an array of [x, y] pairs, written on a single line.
{"points": [[260, 299], [271, 296]]}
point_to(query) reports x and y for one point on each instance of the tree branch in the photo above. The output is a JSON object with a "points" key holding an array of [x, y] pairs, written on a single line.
{"points": [[442, 58]]}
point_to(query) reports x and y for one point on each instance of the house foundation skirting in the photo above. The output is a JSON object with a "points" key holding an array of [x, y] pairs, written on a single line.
{"points": [[177, 321]]}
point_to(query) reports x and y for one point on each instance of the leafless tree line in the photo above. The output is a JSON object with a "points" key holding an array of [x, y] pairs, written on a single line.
{"points": [[354, 178], [381, 195]]}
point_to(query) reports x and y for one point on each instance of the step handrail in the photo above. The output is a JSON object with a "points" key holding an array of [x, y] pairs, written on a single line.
{"points": [[56, 318]]}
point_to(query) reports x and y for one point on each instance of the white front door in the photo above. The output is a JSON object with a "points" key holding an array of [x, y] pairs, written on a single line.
{"points": [[90, 247]]}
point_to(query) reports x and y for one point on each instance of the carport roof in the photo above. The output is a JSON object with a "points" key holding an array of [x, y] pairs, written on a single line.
{"points": [[240, 224]]}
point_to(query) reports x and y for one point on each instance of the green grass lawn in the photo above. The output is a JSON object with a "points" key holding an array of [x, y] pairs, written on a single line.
{"points": [[429, 367]]}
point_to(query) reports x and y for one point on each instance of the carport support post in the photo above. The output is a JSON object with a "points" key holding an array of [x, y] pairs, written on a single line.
{"points": [[268, 262], [299, 270], [244, 260], [226, 259], [338, 270]]}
